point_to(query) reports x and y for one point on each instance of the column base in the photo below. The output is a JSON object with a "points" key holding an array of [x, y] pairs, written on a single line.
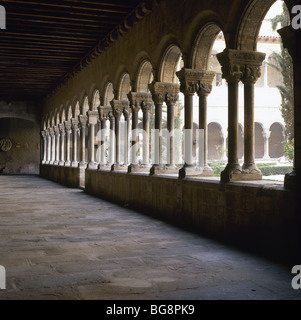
{"points": [[93, 165], [292, 180], [83, 165], [67, 163], [190, 171], [156, 169], [74, 164], [232, 172], [207, 172], [118, 167], [138, 168], [250, 172], [55, 163]]}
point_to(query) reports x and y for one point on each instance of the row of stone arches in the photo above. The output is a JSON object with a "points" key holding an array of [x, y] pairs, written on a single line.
{"points": [[177, 72]]}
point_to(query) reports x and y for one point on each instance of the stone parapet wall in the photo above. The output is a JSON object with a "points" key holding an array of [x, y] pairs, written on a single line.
{"points": [[68, 176], [262, 219]]}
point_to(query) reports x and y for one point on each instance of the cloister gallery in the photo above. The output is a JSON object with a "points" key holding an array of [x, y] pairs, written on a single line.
{"points": [[108, 124]]}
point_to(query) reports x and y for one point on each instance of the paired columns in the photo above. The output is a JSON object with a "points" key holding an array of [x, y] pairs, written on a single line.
{"points": [[139, 101], [169, 93], [120, 107], [92, 121], [242, 66], [200, 82]]}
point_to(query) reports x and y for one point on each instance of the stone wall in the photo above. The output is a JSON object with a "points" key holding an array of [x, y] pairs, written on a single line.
{"points": [[20, 151], [259, 218], [67, 176]]}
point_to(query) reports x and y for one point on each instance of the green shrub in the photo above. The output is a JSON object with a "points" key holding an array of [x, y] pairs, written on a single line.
{"points": [[274, 170]]}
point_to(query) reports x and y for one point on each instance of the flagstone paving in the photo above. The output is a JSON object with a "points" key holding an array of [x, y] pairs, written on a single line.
{"points": [[60, 243]]}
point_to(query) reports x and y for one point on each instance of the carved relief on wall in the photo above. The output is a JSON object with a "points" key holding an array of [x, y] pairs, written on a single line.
{"points": [[5, 144]]}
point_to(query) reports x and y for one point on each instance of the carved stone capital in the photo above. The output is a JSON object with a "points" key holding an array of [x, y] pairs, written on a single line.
{"points": [[171, 99], [190, 79], [138, 99], [56, 130], [238, 65], [51, 132], [111, 116], [205, 84], [159, 90], [47, 133], [118, 107], [62, 128], [43, 133], [82, 121], [104, 112], [74, 124], [68, 126], [92, 117]]}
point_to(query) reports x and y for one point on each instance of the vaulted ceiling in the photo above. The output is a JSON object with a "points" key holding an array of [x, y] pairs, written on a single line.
{"points": [[45, 39]]}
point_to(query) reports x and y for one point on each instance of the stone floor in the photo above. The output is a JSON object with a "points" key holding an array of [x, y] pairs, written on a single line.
{"points": [[59, 243]]}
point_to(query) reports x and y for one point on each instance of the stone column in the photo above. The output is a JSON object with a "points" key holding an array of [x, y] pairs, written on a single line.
{"points": [[127, 128], [205, 88], [68, 143], [158, 91], [62, 144], [189, 80], [52, 150], [253, 62], [292, 41], [74, 123], [117, 108], [92, 121], [57, 145], [138, 101], [266, 138], [44, 155], [48, 138], [224, 137], [233, 71], [112, 138], [146, 108], [104, 117], [171, 100], [135, 105], [83, 124]]}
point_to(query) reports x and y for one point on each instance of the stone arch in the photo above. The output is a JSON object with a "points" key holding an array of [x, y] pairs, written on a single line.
{"points": [[52, 119], [109, 94], [57, 117], [202, 47], [124, 86], [169, 64], [69, 113], [259, 141], [63, 115], [85, 106], [95, 100], [250, 24], [215, 141], [144, 77], [276, 139], [76, 110]]}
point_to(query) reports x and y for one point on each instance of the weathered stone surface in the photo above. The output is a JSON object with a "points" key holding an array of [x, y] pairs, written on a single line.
{"points": [[59, 243]]}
